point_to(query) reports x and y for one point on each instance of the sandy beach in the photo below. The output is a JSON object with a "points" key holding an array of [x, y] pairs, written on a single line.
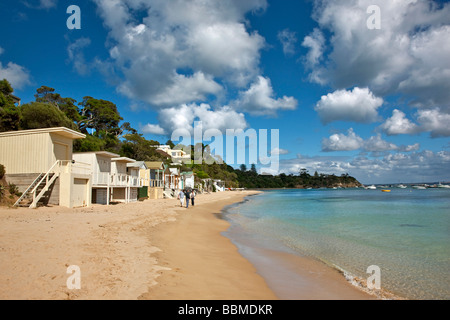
{"points": [[151, 250]]}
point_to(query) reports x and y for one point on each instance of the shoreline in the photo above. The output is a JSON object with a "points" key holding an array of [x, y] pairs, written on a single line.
{"points": [[200, 263], [286, 271]]}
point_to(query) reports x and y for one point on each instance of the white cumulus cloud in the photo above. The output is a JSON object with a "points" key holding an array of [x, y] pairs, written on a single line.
{"points": [[435, 121], [183, 117], [153, 129], [18, 76], [259, 99], [358, 105], [409, 53], [407, 57], [352, 142], [399, 124], [342, 142], [180, 51]]}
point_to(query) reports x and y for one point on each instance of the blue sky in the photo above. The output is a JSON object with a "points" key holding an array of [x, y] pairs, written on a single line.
{"points": [[374, 103]]}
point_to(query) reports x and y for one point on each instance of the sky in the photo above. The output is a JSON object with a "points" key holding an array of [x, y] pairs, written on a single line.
{"points": [[359, 86]]}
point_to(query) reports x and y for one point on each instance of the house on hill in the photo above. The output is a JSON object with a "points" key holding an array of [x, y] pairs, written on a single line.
{"points": [[177, 156], [39, 162]]}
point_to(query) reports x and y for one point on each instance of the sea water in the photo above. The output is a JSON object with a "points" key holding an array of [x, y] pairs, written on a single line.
{"points": [[406, 233]]}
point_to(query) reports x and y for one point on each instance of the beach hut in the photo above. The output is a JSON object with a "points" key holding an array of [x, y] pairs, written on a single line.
{"points": [[102, 182], [187, 180], [39, 162], [153, 178], [133, 170], [175, 178], [125, 185]]}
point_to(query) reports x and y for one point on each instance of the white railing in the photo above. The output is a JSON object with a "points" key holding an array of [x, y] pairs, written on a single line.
{"points": [[119, 180], [134, 182], [101, 179], [156, 183]]}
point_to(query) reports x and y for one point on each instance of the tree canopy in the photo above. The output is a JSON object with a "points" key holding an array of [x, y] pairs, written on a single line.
{"points": [[9, 114], [37, 115], [100, 115]]}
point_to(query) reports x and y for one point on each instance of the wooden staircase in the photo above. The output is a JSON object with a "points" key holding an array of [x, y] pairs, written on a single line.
{"points": [[38, 189], [169, 194]]}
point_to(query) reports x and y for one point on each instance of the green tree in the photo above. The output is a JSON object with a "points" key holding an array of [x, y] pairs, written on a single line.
{"points": [[36, 115], [135, 146], [125, 128], [9, 113], [46, 94], [170, 143], [89, 144], [70, 109], [99, 115], [5, 87]]}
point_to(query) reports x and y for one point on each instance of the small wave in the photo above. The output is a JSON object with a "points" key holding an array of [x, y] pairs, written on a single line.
{"points": [[361, 284]]}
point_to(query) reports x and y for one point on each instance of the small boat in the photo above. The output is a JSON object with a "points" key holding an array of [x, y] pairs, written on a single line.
{"points": [[385, 190], [402, 186], [419, 187], [444, 186], [372, 187]]}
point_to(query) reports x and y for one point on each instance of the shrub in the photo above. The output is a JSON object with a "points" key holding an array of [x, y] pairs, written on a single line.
{"points": [[13, 189]]}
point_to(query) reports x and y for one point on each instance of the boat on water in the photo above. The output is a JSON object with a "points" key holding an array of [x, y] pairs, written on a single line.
{"points": [[444, 186], [372, 187], [386, 190], [419, 187], [402, 186]]}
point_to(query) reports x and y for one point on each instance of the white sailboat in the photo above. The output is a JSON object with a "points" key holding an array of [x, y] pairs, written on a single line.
{"points": [[372, 187]]}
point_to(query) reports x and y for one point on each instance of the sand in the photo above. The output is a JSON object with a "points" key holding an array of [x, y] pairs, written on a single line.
{"points": [[146, 250]]}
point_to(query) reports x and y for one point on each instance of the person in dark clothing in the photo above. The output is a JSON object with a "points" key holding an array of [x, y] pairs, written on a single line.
{"points": [[193, 194], [188, 196]]}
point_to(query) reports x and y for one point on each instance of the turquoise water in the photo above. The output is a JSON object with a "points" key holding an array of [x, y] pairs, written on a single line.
{"points": [[406, 233]]}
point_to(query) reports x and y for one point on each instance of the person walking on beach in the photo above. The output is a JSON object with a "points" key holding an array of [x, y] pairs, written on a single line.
{"points": [[193, 194], [187, 194], [181, 197]]}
